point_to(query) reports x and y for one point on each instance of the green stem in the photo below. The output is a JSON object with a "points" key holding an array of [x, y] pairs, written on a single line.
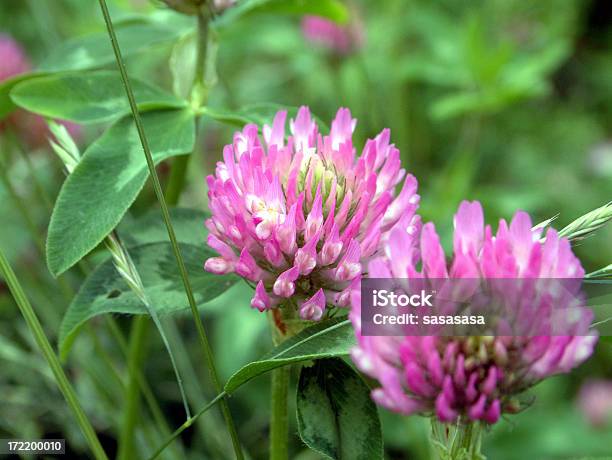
{"points": [[204, 64], [136, 353], [460, 441], [207, 428], [198, 96], [279, 419], [53, 361], [125, 265], [285, 315], [145, 389], [106, 359], [179, 379], [167, 220], [186, 425]]}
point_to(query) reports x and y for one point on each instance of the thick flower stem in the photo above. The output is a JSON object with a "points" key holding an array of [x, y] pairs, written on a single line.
{"points": [[460, 441], [282, 325], [279, 419]]}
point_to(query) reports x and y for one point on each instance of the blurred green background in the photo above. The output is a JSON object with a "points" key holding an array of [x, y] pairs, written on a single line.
{"points": [[504, 101]]}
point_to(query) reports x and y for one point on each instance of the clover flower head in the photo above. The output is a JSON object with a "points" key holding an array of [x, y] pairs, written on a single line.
{"points": [[298, 216], [472, 377]]}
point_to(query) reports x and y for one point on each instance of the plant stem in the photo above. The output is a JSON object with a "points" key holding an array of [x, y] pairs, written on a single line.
{"points": [[461, 441], [187, 424], [145, 389], [207, 428], [105, 357], [126, 268], [166, 215], [136, 354], [279, 419], [53, 361], [204, 63], [198, 96]]}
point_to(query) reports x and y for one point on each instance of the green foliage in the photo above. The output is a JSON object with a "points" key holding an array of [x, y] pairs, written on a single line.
{"points": [[105, 291], [525, 437], [326, 339], [88, 97], [149, 228], [259, 114], [94, 50], [6, 103], [486, 72], [507, 102], [332, 9], [182, 66], [336, 416], [107, 180]]}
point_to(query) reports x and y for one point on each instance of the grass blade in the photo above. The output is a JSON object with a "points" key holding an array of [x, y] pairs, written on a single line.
{"points": [[53, 361]]}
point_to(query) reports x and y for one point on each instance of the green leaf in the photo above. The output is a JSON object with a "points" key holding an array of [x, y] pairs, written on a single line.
{"points": [[259, 114], [107, 180], [183, 65], [331, 9], [95, 50], [105, 291], [88, 97], [326, 339], [6, 104], [150, 227], [335, 414]]}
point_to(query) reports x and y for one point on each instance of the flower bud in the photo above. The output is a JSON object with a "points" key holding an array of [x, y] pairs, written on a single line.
{"points": [[191, 7]]}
